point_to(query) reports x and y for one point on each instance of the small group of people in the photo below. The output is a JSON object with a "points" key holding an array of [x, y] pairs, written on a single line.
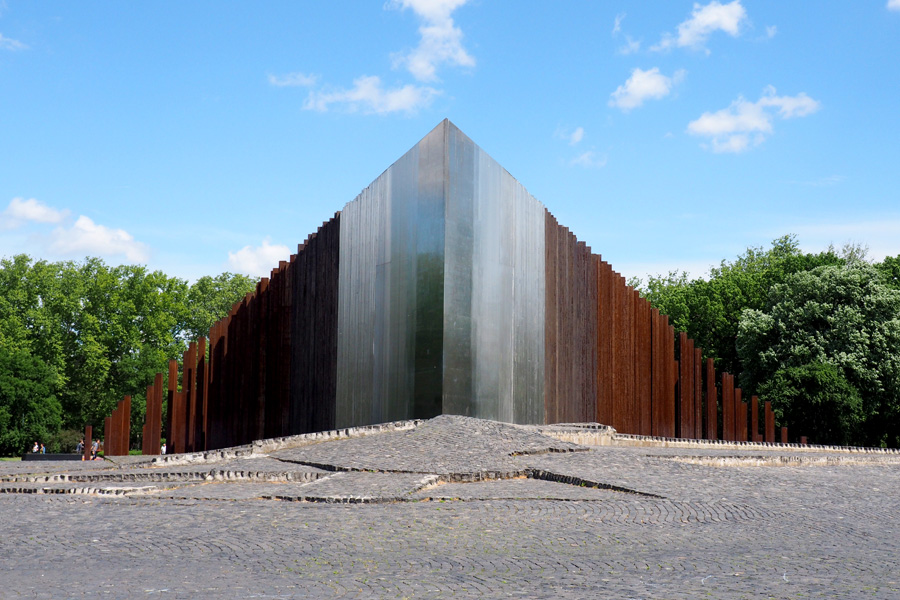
{"points": [[95, 447], [38, 449]]}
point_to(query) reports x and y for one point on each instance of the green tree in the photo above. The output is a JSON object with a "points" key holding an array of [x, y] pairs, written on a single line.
{"points": [[709, 310], [29, 412], [211, 298], [106, 331], [842, 316], [816, 400]]}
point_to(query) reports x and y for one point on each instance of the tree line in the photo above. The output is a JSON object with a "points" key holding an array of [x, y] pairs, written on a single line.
{"points": [[816, 334], [75, 337]]}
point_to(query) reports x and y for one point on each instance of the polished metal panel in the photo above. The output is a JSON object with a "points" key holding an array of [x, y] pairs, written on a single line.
{"points": [[391, 292], [441, 290], [494, 290]]}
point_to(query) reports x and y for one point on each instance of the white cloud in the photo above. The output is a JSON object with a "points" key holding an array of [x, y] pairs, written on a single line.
{"points": [[789, 106], [704, 21], [630, 47], [644, 85], [893, 5], [21, 211], [617, 25], [571, 136], [736, 128], [440, 42], [293, 80], [367, 95], [576, 136], [86, 237], [771, 30], [589, 159], [259, 261], [11, 44]]}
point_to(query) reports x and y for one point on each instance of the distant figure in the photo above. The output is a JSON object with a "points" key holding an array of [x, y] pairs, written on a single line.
{"points": [[94, 445], [36, 448], [162, 448], [43, 450], [79, 448]]}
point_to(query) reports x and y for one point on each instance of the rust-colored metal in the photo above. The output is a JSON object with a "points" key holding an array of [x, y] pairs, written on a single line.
{"points": [[784, 435], [728, 427], [686, 386], [754, 419], [770, 423], [656, 373], [698, 393], [712, 404], [670, 374], [740, 416], [171, 420], [803, 440], [642, 371], [606, 332]]}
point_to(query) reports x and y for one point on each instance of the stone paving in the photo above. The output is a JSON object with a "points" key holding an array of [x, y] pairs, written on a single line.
{"points": [[455, 508]]}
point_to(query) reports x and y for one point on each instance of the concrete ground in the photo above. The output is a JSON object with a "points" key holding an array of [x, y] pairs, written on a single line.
{"points": [[456, 507]]}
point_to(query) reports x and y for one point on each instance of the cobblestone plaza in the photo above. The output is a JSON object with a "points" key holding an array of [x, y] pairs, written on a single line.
{"points": [[457, 507]]}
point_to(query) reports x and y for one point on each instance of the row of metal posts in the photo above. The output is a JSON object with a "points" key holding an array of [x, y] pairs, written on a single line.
{"points": [[623, 373]]}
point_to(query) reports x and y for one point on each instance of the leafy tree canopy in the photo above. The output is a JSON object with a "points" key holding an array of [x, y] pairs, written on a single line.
{"points": [[105, 331]]}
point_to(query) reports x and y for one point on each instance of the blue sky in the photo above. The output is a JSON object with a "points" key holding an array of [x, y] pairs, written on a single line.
{"points": [[199, 137]]}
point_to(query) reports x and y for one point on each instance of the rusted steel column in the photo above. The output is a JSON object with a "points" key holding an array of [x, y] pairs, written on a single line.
{"points": [[784, 435], [88, 440], [631, 422], [156, 433], [754, 419], [770, 423], [656, 408], [803, 440], [188, 368], [698, 393], [172, 389], [728, 427], [671, 375], [686, 386], [712, 404], [740, 417], [642, 373], [606, 333], [202, 391]]}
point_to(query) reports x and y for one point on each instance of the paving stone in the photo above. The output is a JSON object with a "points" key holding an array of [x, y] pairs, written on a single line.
{"points": [[443, 445], [702, 522]]}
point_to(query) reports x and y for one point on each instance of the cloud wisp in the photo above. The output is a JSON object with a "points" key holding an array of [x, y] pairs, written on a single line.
{"points": [[21, 211], [703, 22], [83, 237], [258, 261], [369, 96], [293, 80], [642, 86], [745, 124], [87, 237], [893, 5], [440, 43], [440, 40], [11, 44], [589, 159]]}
